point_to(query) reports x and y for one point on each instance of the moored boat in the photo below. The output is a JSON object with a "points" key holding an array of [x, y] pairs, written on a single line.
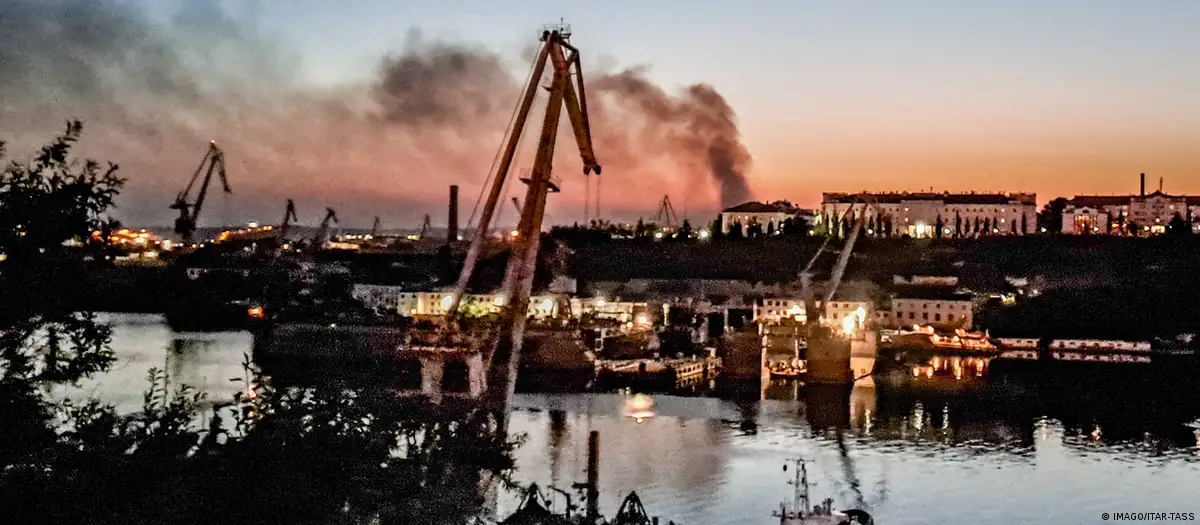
{"points": [[801, 512]]}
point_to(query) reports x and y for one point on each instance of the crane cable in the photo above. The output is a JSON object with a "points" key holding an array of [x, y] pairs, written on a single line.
{"points": [[499, 151]]}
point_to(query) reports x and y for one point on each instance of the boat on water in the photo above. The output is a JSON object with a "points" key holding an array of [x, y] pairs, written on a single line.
{"points": [[802, 512], [215, 315]]}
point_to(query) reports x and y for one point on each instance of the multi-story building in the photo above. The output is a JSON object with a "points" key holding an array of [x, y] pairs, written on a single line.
{"points": [[777, 308], [767, 217], [936, 306], [1141, 214], [922, 214]]}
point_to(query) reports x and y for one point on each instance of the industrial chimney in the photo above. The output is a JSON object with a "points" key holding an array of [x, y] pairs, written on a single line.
{"points": [[1160, 184], [452, 223], [1143, 192]]}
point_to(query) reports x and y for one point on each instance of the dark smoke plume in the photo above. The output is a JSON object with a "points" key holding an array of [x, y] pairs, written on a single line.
{"points": [[698, 128], [153, 94], [442, 84]]}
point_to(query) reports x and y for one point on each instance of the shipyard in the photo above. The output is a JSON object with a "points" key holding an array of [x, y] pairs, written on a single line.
{"points": [[476, 285]]}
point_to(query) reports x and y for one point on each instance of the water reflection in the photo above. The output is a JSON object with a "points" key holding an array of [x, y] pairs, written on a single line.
{"points": [[639, 407], [207, 362], [1006, 457]]}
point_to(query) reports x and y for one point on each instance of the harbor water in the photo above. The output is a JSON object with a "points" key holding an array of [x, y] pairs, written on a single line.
{"points": [[907, 459]]}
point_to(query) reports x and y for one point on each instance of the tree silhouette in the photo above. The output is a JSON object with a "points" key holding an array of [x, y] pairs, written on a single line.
{"points": [[685, 230], [771, 228], [1178, 226], [958, 231], [735, 230], [788, 226], [937, 226], [1024, 224], [275, 455], [1013, 227], [754, 229], [1050, 217]]}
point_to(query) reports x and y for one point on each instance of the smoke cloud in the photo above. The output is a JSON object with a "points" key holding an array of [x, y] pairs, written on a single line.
{"points": [[697, 128], [153, 93]]}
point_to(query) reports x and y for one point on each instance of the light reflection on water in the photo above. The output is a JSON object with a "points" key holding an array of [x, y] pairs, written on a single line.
{"points": [[914, 461]]}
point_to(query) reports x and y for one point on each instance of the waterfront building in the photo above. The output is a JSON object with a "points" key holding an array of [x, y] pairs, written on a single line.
{"points": [[435, 304], [768, 218], [922, 215], [1129, 214], [775, 309], [600, 308], [928, 306]]}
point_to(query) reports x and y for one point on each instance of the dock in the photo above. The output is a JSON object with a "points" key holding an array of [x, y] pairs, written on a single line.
{"points": [[676, 372]]}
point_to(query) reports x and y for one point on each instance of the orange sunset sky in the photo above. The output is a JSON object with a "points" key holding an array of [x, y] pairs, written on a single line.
{"points": [[1058, 98]]}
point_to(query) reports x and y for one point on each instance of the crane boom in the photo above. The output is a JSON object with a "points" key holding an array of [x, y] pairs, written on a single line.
{"points": [[502, 169], [666, 213], [574, 97], [289, 215], [323, 230], [502, 357], [375, 227], [576, 105], [835, 276], [189, 213]]}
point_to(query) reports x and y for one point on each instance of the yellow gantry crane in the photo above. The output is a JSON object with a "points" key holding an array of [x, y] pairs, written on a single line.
{"points": [[566, 90]]}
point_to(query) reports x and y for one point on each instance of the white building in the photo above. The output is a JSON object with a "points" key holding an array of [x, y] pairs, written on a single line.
{"points": [[436, 303], [920, 214], [778, 308], [769, 217], [623, 311], [1127, 214], [929, 306]]}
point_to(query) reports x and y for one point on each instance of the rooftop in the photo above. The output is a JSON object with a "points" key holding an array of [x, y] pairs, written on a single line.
{"points": [[946, 197], [930, 293], [1097, 201], [758, 207]]}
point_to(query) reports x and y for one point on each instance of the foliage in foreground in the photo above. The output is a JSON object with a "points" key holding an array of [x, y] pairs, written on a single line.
{"points": [[271, 456]]}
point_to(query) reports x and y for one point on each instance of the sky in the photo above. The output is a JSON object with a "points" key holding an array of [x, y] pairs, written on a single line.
{"points": [[1058, 98]]}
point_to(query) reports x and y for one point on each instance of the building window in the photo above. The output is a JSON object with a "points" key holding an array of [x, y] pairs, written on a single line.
{"points": [[937, 317], [925, 316]]}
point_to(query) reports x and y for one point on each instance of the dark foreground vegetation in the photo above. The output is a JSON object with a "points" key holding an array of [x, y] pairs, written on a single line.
{"points": [[271, 456]]}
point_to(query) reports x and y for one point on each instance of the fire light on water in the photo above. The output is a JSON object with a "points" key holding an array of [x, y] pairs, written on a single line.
{"points": [[639, 407]]}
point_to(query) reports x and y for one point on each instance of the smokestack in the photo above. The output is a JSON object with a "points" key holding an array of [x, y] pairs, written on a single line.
{"points": [[1143, 191], [1160, 184], [452, 224]]}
